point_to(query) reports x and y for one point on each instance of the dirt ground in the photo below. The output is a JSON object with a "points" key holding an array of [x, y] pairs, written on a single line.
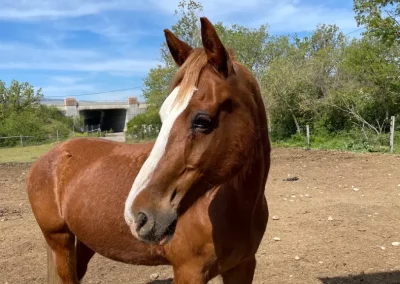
{"points": [[336, 225]]}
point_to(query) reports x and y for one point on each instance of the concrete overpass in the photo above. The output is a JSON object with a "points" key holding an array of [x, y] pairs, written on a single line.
{"points": [[109, 115]]}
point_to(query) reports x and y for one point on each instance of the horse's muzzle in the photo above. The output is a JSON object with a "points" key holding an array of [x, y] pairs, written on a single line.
{"points": [[155, 228]]}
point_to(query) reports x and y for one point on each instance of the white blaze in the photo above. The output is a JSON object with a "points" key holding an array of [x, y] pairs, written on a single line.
{"points": [[168, 115]]}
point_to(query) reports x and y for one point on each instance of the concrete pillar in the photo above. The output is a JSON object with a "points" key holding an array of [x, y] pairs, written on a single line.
{"points": [[71, 107], [132, 110], [102, 115]]}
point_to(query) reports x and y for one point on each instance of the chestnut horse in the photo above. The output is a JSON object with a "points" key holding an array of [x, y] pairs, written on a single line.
{"points": [[194, 199]]}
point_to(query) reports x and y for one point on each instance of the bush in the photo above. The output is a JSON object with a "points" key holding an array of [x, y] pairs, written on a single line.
{"points": [[41, 123], [145, 125]]}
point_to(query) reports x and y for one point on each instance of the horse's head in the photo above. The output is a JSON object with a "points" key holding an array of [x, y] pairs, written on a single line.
{"points": [[210, 127]]}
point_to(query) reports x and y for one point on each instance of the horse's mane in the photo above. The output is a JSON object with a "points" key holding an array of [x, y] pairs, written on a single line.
{"points": [[187, 76]]}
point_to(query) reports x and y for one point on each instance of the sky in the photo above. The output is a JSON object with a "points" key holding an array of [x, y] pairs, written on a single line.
{"points": [[80, 48]]}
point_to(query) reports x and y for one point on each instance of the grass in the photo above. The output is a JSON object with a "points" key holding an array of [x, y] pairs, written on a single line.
{"points": [[30, 153], [343, 142], [24, 154]]}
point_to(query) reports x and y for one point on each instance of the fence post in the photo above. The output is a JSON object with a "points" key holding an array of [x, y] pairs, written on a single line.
{"points": [[22, 143], [392, 134], [308, 136]]}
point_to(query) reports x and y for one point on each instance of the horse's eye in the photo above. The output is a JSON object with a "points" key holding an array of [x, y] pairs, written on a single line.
{"points": [[202, 122]]}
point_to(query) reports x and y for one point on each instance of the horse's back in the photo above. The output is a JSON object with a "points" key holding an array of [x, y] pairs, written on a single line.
{"points": [[74, 155], [83, 184], [47, 168]]}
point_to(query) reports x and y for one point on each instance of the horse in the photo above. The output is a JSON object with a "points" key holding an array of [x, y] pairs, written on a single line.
{"points": [[192, 199]]}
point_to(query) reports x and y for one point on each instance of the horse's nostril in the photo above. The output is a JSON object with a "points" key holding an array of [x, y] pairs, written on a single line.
{"points": [[173, 196], [141, 220]]}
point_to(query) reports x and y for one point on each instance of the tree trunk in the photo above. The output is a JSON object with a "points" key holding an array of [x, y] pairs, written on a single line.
{"points": [[297, 124]]}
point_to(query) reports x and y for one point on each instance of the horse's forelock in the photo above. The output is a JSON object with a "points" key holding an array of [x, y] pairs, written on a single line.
{"points": [[187, 76]]}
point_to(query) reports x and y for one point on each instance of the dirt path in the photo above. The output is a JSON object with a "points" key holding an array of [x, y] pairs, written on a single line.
{"points": [[336, 225]]}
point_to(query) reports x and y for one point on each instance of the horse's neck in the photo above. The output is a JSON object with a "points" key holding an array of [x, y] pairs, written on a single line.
{"points": [[248, 185], [246, 189]]}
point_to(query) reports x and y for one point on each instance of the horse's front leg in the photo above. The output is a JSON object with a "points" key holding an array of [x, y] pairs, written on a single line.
{"points": [[243, 273], [189, 274]]}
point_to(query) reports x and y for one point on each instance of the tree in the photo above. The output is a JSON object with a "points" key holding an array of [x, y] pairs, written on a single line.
{"points": [[287, 86], [186, 29], [370, 93], [148, 119], [251, 46], [18, 97], [381, 18], [156, 84], [296, 83], [324, 52], [22, 114]]}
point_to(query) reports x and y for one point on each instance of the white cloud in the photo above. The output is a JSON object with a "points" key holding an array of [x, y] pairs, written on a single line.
{"points": [[19, 56], [66, 80], [116, 30], [213, 8], [282, 16], [122, 55], [296, 17], [79, 91], [134, 66], [115, 96], [14, 51], [51, 9], [56, 90]]}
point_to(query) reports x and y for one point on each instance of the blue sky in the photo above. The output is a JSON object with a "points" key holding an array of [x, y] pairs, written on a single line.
{"points": [[76, 47]]}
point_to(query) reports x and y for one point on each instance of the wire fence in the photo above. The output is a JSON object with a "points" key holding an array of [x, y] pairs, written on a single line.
{"points": [[145, 132], [28, 140], [23, 140], [355, 140], [307, 138]]}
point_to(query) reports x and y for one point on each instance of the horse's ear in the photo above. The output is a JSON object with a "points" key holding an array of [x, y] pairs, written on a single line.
{"points": [[217, 55], [179, 50]]}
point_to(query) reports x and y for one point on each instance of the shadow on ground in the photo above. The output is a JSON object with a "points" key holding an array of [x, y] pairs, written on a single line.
{"points": [[373, 278], [166, 281]]}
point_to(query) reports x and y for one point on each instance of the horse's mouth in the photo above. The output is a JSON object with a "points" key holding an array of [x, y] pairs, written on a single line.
{"points": [[157, 236], [167, 235]]}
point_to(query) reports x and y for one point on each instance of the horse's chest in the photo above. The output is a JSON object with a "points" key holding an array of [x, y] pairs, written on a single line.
{"points": [[219, 238]]}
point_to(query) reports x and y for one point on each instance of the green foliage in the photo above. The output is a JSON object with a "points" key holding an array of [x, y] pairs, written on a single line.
{"points": [[333, 85], [156, 84], [144, 125], [17, 97], [250, 46], [22, 114], [78, 122], [349, 140], [345, 90], [381, 18]]}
